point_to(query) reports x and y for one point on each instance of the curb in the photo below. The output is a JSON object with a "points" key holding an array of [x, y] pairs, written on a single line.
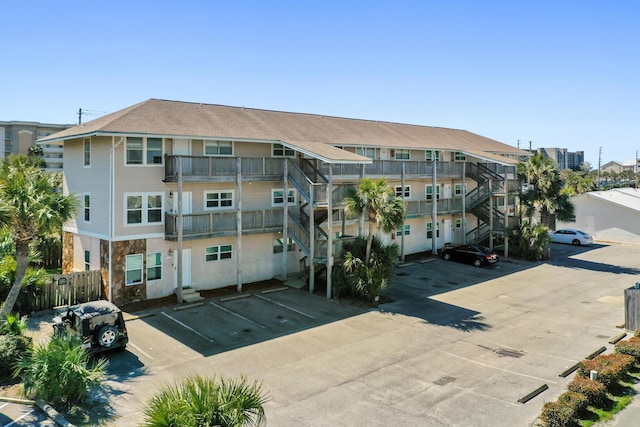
{"points": [[53, 414]]}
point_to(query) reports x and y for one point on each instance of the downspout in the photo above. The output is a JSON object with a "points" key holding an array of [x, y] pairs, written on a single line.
{"points": [[239, 225], [402, 182], [285, 220], [434, 209], [180, 232], [330, 233], [111, 216], [464, 204]]}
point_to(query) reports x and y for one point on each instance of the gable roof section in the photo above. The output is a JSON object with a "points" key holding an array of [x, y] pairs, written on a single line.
{"points": [[625, 197], [307, 132]]}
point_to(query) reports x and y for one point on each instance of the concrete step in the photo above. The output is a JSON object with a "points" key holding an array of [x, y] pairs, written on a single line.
{"points": [[191, 295]]}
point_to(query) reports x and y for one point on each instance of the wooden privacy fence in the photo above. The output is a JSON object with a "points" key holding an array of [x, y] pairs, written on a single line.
{"points": [[65, 289]]}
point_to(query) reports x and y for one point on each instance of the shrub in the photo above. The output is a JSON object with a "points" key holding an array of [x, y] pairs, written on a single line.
{"points": [[557, 414], [630, 346], [13, 324], [595, 391], [636, 333], [59, 371], [574, 400], [12, 348], [610, 367], [205, 401]]}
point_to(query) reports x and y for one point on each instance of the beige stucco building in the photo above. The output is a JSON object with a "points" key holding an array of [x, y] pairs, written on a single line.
{"points": [[179, 195], [16, 137]]}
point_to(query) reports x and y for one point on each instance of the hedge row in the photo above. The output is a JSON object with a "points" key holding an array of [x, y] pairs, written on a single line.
{"points": [[583, 391]]}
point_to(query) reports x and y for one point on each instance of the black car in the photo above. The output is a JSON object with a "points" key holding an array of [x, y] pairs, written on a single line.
{"points": [[100, 325], [477, 255]]}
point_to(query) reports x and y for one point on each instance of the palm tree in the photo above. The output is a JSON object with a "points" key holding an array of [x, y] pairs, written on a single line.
{"points": [[375, 199], [545, 192], [30, 206], [206, 401]]}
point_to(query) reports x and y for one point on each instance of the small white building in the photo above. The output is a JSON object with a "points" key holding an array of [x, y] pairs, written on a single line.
{"points": [[612, 216]]}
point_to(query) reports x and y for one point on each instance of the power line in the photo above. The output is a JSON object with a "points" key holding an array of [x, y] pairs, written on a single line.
{"points": [[86, 112]]}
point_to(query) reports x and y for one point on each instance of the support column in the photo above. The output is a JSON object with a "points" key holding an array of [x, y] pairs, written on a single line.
{"points": [[402, 183], [464, 204], [312, 242], [239, 224], [434, 208], [180, 237], [490, 213], [330, 230], [285, 221]]}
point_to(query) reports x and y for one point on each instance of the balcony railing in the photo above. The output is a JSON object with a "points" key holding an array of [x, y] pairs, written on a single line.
{"points": [[208, 168], [424, 208], [412, 168], [223, 223]]}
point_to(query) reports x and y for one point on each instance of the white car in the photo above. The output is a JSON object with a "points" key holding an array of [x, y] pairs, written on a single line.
{"points": [[572, 236]]}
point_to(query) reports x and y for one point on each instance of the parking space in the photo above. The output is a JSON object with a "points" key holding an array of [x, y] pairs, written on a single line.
{"points": [[14, 414]]}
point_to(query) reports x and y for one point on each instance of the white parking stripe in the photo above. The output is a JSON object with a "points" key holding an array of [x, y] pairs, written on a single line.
{"points": [[140, 350], [285, 306], [19, 418], [500, 369], [236, 314], [187, 327]]}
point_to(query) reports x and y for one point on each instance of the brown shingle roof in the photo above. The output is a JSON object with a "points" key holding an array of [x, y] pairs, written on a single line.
{"points": [[175, 118]]}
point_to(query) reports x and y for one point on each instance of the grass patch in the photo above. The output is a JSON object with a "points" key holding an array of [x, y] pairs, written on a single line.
{"points": [[618, 397]]}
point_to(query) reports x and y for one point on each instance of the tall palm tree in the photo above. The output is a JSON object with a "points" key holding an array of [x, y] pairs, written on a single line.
{"points": [[545, 191], [31, 206], [377, 200]]}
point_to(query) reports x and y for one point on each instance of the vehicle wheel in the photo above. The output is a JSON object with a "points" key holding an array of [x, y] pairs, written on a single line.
{"points": [[107, 335], [575, 242], [446, 256], [477, 262]]}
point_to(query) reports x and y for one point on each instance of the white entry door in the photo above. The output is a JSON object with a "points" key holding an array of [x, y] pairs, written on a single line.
{"points": [[186, 268], [447, 191], [447, 231], [181, 147]]}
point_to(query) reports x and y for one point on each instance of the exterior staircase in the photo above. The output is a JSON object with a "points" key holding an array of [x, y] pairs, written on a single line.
{"points": [[190, 295]]}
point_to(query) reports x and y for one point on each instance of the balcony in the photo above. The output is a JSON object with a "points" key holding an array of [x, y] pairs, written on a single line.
{"points": [[218, 224], [222, 169], [424, 208]]}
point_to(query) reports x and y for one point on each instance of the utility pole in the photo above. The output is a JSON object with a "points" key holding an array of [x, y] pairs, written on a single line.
{"points": [[80, 116], [599, 164]]}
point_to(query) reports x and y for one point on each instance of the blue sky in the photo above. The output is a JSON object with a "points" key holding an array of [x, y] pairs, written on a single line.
{"points": [[556, 73]]}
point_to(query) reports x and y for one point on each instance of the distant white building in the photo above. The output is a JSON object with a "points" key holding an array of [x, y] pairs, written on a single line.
{"points": [[612, 216]]}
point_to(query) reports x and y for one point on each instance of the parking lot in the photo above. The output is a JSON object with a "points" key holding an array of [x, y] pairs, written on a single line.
{"points": [[455, 346]]}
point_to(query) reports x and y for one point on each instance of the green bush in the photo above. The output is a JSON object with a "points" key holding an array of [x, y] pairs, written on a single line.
{"points": [[636, 333], [630, 346], [576, 401], [12, 348], [13, 324], [610, 367], [557, 414], [205, 401], [59, 372], [595, 391]]}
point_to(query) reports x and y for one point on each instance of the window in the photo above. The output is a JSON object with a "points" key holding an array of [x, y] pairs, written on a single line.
{"points": [[217, 253], [143, 151], [154, 151], [429, 192], [407, 191], [458, 189], [278, 245], [86, 203], [218, 199], [87, 260], [458, 222], [429, 155], [369, 152], [430, 230], [154, 266], [144, 208], [459, 157], [280, 150], [277, 197], [406, 228], [218, 148], [402, 154], [133, 274], [87, 152]]}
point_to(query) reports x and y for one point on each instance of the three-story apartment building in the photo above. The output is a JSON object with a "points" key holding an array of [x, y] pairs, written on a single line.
{"points": [[176, 194]]}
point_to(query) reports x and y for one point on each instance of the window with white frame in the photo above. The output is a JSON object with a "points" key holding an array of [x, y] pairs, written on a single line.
{"points": [[458, 189], [280, 150], [218, 148], [87, 152], [278, 245], [369, 152], [406, 229], [459, 156], [402, 154], [218, 199], [430, 230], [154, 266], [144, 151], [429, 192], [87, 260], [407, 191], [143, 209], [458, 222], [218, 253], [431, 154], [86, 206], [133, 269], [277, 197]]}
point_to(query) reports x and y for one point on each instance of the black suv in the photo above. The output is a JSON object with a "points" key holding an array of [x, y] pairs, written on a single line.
{"points": [[99, 323]]}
